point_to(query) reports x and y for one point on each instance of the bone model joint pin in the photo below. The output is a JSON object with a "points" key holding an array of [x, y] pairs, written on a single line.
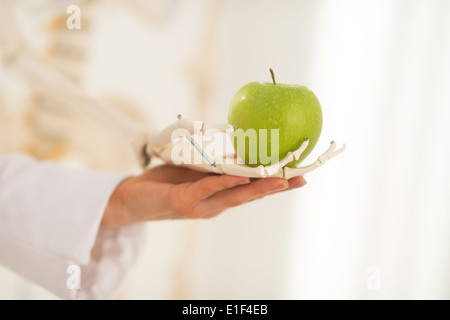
{"points": [[199, 149]]}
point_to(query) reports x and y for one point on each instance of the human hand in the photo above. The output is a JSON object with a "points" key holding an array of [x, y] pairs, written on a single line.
{"points": [[169, 192]]}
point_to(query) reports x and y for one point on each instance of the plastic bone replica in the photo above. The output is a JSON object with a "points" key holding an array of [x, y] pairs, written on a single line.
{"points": [[168, 143], [164, 144]]}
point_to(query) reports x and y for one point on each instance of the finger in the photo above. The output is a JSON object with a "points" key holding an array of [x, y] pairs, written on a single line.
{"points": [[208, 186], [239, 195], [175, 174], [294, 183]]}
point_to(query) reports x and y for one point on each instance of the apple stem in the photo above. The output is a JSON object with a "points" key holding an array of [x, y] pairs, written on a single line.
{"points": [[273, 76]]}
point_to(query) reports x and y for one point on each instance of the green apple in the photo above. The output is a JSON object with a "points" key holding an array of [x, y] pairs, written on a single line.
{"points": [[292, 109]]}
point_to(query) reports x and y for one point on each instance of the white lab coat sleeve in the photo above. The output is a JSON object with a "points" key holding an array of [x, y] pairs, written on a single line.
{"points": [[49, 229]]}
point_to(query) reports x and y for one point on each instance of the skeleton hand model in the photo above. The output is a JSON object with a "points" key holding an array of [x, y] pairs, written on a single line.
{"points": [[169, 143]]}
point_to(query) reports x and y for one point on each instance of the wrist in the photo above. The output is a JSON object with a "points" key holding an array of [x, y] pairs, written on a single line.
{"points": [[115, 214]]}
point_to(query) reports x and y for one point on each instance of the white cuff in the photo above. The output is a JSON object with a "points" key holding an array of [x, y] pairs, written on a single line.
{"points": [[49, 219]]}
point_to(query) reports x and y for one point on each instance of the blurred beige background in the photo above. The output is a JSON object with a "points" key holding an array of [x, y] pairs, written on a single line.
{"points": [[371, 224]]}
